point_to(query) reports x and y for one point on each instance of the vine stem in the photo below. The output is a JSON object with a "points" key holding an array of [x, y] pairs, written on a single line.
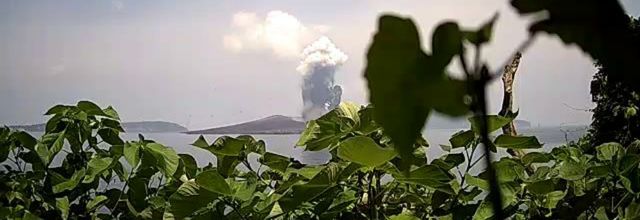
{"points": [[479, 80], [494, 193]]}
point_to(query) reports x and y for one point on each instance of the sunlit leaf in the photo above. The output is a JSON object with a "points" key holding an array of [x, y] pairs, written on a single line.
{"points": [[365, 151], [132, 153], [110, 136], [517, 142], [96, 202], [536, 157], [275, 161], [494, 122], [166, 157], [211, 180], [96, 167], [608, 151], [462, 139], [71, 182], [90, 108], [571, 170], [62, 204], [430, 176], [189, 198], [326, 131], [541, 187]]}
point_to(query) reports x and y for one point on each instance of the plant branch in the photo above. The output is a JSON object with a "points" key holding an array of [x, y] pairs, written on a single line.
{"points": [[481, 110]]}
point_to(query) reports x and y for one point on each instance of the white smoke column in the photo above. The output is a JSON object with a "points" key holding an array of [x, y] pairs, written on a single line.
{"points": [[319, 62]]}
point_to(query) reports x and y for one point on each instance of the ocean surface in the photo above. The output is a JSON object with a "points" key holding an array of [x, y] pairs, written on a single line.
{"points": [[285, 144]]}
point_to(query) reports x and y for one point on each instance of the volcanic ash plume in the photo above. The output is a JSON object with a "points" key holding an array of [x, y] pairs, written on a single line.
{"points": [[319, 62]]}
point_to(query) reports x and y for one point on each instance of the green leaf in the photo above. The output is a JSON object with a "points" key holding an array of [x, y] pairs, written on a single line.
{"points": [[483, 34], [30, 216], [275, 161], [113, 124], [494, 122], [571, 170], [394, 62], [211, 180], [300, 194], [462, 139], [190, 164], [446, 42], [227, 146], [90, 108], [601, 214], [430, 176], [166, 158], [517, 142], [244, 190], [189, 198], [62, 204], [96, 202], [599, 28], [608, 151], [57, 145], [70, 183], [405, 83], [227, 164], [110, 136], [201, 142], [96, 167], [628, 163], [552, 199], [404, 216], [365, 151], [449, 161], [57, 109], [111, 113], [329, 129], [508, 170], [477, 182], [25, 139], [536, 157], [541, 187], [132, 153], [484, 211], [43, 153]]}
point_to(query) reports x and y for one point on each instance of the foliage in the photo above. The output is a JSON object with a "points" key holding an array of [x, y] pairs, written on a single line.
{"points": [[614, 117], [143, 179], [80, 168]]}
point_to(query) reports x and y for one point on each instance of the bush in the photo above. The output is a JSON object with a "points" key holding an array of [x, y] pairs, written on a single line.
{"points": [[103, 176]]}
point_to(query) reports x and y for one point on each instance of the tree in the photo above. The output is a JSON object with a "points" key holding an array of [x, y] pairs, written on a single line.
{"points": [[615, 116]]}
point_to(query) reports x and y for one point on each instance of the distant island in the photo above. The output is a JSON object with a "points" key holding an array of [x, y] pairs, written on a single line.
{"points": [[443, 122], [275, 124], [133, 127], [279, 124]]}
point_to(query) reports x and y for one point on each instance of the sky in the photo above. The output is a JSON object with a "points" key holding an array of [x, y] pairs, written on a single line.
{"points": [[209, 63]]}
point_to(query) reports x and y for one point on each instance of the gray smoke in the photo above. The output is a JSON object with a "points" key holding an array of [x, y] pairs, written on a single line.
{"points": [[319, 62]]}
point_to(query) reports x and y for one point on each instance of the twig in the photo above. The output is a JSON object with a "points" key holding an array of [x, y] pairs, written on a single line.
{"points": [[520, 49], [481, 110]]}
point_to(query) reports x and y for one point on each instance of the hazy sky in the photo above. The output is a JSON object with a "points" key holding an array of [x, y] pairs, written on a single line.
{"points": [[208, 63]]}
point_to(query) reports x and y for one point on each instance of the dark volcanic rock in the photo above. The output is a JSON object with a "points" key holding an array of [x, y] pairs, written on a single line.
{"points": [[276, 124], [129, 127]]}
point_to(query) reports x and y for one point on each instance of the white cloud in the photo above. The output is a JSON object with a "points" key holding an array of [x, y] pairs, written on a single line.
{"points": [[57, 69], [117, 5], [279, 32]]}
